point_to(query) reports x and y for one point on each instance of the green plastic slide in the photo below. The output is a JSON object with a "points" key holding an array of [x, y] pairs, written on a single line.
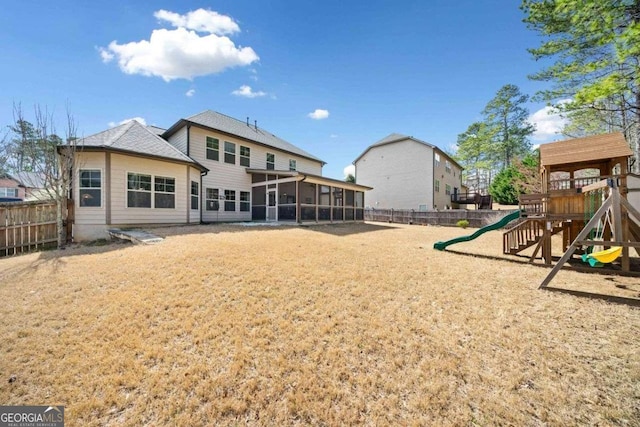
{"points": [[495, 226]]}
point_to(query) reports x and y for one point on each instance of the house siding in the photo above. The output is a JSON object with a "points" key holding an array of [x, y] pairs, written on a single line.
{"points": [[401, 174], [194, 214], [453, 178], [179, 139], [224, 176], [121, 165], [91, 223]]}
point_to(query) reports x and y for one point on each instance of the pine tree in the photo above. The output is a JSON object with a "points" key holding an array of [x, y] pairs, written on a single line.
{"points": [[596, 48], [506, 116]]}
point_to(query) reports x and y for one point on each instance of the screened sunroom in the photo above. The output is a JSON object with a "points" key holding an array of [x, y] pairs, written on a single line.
{"points": [[299, 197]]}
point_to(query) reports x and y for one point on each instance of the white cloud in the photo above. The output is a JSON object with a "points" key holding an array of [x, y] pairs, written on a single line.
{"points": [[333, 136], [247, 92], [190, 92], [201, 20], [183, 53], [349, 170], [137, 119], [319, 114], [548, 122], [105, 55]]}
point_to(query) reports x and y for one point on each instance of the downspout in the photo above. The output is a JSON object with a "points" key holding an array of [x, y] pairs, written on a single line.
{"points": [[202, 201]]}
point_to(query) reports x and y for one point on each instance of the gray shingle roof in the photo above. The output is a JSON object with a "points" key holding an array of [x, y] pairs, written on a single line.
{"points": [[217, 121], [136, 138], [29, 179], [391, 138], [157, 130], [397, 137]]}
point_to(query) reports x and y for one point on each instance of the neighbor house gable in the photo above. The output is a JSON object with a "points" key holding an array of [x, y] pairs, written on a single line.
{"points": [[397, 137]]}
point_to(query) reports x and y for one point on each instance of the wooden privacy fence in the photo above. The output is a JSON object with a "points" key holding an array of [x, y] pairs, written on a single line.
{"points": [[476, 218], [25, 226]]}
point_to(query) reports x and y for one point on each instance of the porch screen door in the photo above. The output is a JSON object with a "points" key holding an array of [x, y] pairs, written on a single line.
{"points": [[272, 209]]}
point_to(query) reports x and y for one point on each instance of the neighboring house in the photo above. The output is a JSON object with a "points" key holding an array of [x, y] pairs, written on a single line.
{"points": [[407, 173], [10, 189], [205, 168], [22, 186]]}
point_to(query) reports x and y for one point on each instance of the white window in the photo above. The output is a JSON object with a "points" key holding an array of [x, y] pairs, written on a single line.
{"points": [[90, 188], [10, 192], [436, 157], [230, 200], [212, 199], [292, 165], [245, 156], [245, 201], [213, 148], [447, 166], [195, 195], [436, 186], [229, 152], [447, 189], [138, 190], [271, 161], [164, 192]]}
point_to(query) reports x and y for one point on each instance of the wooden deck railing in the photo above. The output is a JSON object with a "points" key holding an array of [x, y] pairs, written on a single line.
{"points": [[26, 226], [566, 184], [521, 236], [534, 205]]}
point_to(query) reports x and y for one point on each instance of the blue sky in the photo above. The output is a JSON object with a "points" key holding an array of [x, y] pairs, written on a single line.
{"points": [[366, 69]]}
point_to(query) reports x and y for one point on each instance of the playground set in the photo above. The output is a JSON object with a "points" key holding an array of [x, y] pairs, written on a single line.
{"points": [[583, 199]]}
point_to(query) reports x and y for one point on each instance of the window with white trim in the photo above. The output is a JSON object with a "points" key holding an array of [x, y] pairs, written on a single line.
{"points": [[164, 192], [245, 156], [230, 200], [229, 152], [10, 192], [213, 148], [436, 186], [292, 165], [212, 199], [195, 195], [271, 161], [436, 157], [90, 188], [138, 190], [447, 166], [447, 189], [245, 201]]}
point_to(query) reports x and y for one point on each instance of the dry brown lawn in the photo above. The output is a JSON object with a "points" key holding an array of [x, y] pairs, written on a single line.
{"points": [[327, 325]]}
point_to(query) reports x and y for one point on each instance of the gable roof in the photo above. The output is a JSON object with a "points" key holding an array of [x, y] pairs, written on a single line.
{"points": [[587, 149], [398, 137], [133, 137], [156, 130], [219, 122], [29, 179]]}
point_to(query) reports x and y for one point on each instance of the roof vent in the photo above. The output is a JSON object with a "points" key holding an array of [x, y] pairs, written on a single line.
{"points": [[255, 123]]}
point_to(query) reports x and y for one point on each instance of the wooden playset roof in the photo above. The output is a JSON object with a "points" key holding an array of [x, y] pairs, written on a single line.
{"points": [[587, 149]]}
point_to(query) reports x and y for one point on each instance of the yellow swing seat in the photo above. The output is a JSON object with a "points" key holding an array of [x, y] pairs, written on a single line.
{"points": [[606, 256]]}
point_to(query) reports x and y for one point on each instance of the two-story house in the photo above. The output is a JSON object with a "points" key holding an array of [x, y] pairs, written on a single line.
{"points": [[206, 168], [407, 173]]}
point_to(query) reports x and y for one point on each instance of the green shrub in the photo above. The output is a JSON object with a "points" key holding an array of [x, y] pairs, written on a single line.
{"points": [[463, 223]]}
